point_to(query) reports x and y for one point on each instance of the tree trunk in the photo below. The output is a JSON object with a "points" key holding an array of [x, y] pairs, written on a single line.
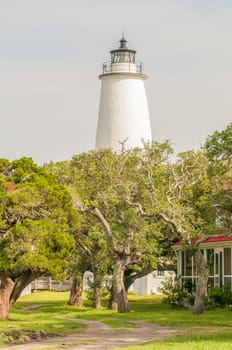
{"points": [[6, 288], [22, 282], [75, 298], [11, 290], [97, 298], [113, 300], [202, 281], [118, 286], [96, 285]]}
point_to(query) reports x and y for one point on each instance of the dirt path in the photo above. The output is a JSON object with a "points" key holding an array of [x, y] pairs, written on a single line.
{"points": [[99, 336]]}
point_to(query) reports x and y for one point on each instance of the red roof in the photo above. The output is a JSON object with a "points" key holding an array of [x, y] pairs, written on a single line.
{"points": [[218, 239], [208, 240]]}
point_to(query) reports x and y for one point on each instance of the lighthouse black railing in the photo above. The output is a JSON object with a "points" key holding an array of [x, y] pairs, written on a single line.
{"points": [[124, 67]]}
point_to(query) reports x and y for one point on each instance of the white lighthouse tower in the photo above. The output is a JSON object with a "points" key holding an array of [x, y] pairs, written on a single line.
{"points": [[123, 112]]}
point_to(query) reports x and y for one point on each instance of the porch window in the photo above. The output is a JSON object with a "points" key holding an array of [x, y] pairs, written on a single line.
{"points": [[160, 272], [227, 267], [186, 266], [227, 261], [210, 263]]}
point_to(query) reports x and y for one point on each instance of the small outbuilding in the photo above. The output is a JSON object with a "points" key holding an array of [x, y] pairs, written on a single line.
{"points": [[151, 283], [217, 252]]}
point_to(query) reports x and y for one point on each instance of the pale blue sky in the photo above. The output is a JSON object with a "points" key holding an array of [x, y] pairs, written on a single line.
{"points": [[51, 53]]}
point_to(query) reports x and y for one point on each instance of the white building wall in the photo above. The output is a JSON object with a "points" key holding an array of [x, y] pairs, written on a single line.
{"points": [[151, 283], [26, 290], [123, 111], [87, 280]]}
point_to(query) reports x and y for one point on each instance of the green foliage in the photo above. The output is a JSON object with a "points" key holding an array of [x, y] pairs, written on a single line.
{"points": [[177, 295], [174, 294], [219, 150], [219, 145], [220, 297], [148, 201], [37, 220], [113, 183]]}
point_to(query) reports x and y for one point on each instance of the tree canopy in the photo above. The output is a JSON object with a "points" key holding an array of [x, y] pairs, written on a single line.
{"points": [[140, 203], [219, 149], [36, 227]]}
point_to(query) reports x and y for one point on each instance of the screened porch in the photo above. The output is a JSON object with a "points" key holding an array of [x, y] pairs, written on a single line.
{"points": [[217, 252]]}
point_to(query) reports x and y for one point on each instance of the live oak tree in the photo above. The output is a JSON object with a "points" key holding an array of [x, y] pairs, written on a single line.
{"points": [[212, 199], [219, 145], [194, 187], [36, 220], [214, 205], [105, 186], [205, 193], [200, 195], [143, 202], [182, 201], [219, 150], [94, 257], [91, 247], [99, 259], [77, 269]]}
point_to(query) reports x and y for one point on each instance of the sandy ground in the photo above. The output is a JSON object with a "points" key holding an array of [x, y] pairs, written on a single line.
{"points": [[99, 336]]}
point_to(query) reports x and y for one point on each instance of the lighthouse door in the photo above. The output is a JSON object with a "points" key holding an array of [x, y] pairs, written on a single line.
{"points": [[218, 268]]}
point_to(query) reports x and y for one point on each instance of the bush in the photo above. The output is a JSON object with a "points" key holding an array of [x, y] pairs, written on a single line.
{"points": [[220, 297], [189, 286], [173, 292]]}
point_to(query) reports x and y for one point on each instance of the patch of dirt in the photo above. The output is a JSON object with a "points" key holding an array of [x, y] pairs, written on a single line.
{"points": [[22, 336], [100, 336], [35, 307]]}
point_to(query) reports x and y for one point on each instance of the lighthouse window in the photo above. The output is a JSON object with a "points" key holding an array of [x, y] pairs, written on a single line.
{"points": [[132, 57], [123, 57]]}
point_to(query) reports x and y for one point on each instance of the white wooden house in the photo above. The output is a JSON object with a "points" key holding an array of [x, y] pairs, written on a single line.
{"points": [[218, 254]]}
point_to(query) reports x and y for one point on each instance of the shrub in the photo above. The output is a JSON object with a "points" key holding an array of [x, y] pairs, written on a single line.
{"points": [[173, 292], [220, 297]]}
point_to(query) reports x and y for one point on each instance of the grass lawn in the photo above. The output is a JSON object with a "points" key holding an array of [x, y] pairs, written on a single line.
{"points": [[210, 331], [217, 340]]}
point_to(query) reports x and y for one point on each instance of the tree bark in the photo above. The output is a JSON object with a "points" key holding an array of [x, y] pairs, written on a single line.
{"points": [[11, 290], [22, 282], [6, 288], [202, 281], [96, 285], [113, 300], [118, 286], [97, 298], [75, 298], [121, 262]]}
